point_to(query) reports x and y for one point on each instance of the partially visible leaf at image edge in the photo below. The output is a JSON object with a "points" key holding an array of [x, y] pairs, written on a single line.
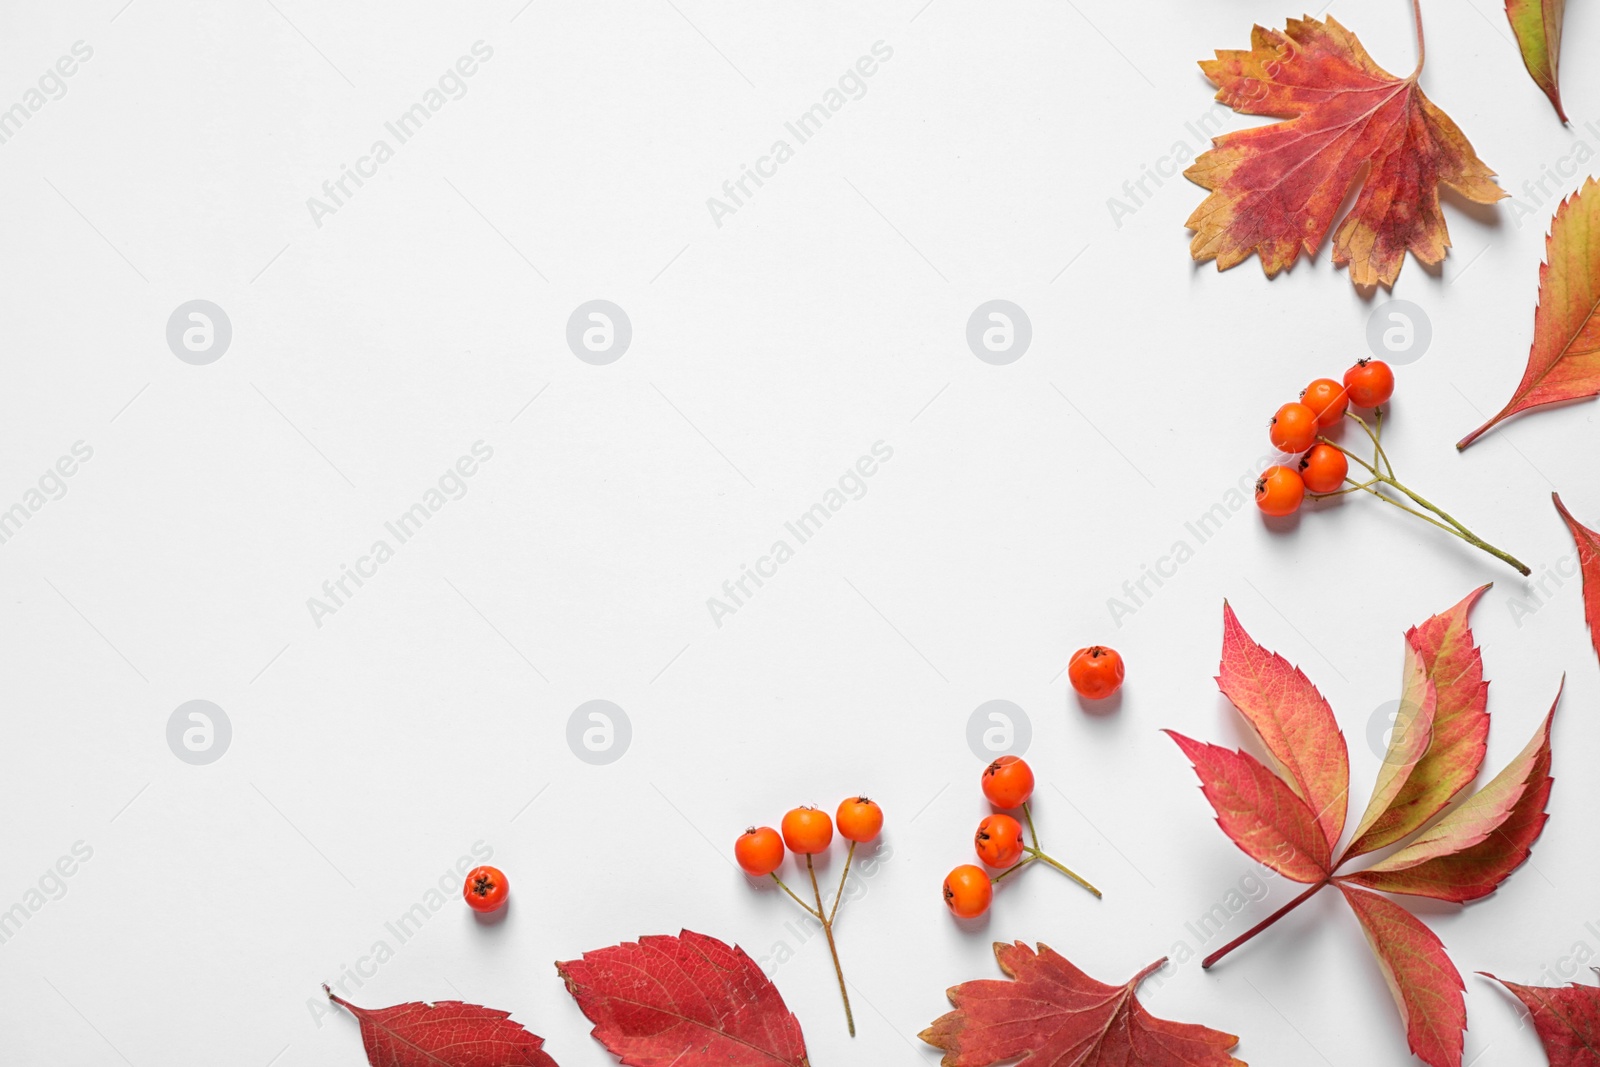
{"points": [[1537, 24], [446, 1033], [1276, 189], [1052, 1014], [1564, 363], [1588, 542], [689, 1001], [1566, 1018]]}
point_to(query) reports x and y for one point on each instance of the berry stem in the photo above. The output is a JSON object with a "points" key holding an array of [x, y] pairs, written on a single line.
{"points": [[808, 908], [827, 928], [839, 896], [1450, 524], [1037, 853], [1262, 925]]}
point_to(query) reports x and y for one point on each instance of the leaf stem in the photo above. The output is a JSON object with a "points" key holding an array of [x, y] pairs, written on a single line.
{"points": [[827, 928], [1422, 45], [839, 896], [1262, 925], [1037, 853], [808, 908]]}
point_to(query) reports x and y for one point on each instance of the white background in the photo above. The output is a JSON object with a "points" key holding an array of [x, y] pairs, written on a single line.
{"points": [[769, 353]]}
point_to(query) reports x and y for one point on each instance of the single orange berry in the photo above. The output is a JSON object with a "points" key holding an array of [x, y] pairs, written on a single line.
{"points": [[1095, 672], [998, 840], [759, 851], [1294, 428], [1323, 469], [1328, 399], [1008, 782], [807, 831], [968, 891], [486, 889], [1371, 382], [860, 820], [1279, 491]]}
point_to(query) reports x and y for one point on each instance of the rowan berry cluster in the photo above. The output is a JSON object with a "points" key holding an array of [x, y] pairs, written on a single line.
{"points": [[1000, 843], [807, 831], [1298, 428]]}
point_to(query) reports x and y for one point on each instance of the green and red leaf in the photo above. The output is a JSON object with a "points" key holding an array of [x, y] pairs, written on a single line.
{"points": [[1588, 542], [1564, 363], [1293, 721], [1409, 742], [1469, 852], [1259, 811], [1537, 24], [1052, 1014], [1460, 731], [1426, 986]]}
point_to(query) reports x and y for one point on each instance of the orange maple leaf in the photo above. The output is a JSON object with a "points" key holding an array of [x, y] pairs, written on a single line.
{"points": [[1276, 189]]}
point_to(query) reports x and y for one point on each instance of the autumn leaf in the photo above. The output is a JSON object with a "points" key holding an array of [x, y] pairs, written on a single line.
{"points": [[1435, 752], [1564, 363], [688, 1000], [1566, 1018], [1537, 24], [446, 1033], [1276, 189], [1588, 542], [1053, 1014]]}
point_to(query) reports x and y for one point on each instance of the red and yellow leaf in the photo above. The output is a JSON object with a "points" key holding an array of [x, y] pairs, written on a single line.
{"points": [[688, 1000], [1469, 852], [1537, 24], [446, 1033], [1409, 741], [1566, 1018], [1276, 189], [1460, 731], [1564, 363], [1052, 1014], [1293, 721], [1425, 984], [1259, 811], [1588, 542]]}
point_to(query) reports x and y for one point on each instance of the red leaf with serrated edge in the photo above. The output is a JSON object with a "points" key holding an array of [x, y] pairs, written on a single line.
{"points": [[1470, 851], [1293, 721], [1409, 742], [1588, 542], [1566, 1018], [1426, 985], [1564, 363], [1052, 1014], [1259, 812], [688, 1000], [1460, 730], [446, 1033]]}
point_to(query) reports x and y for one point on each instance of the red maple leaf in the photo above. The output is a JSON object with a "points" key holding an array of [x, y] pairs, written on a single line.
{"points": [[446, 1033], [1276, 189], [1566, 1018], [688, 1000], [1053, 1014], [1588, 542], [1292, 820]]}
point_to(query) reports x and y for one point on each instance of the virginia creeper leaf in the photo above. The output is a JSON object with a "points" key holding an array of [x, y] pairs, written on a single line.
{"points": [[1276, 189], [1537, 24], [1566, 1018], [446, 1033], [1564, 363], [1460, 727], [1588, 542], [1259, 811], [1409, 740], [1293, 721], [688, 1000], [1425, 984], [1470, 851], [1051, 1014]]}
